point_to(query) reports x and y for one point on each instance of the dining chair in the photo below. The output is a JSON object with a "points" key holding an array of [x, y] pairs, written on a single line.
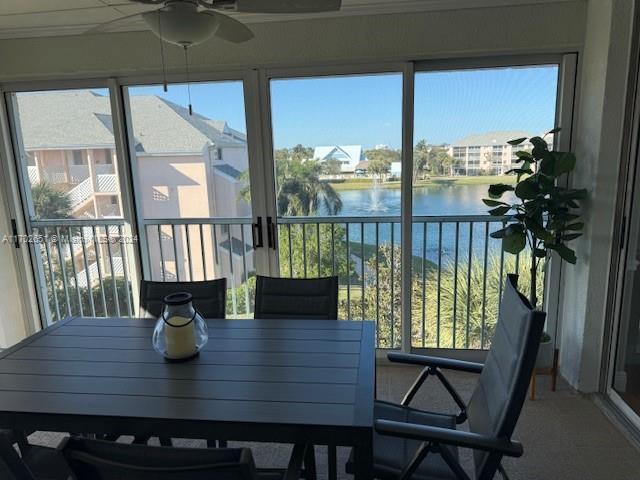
{"points": [[299, 298], [412, 443], [82, 458], [29, 462], [296, 298], [209, 298], [100, 460]]}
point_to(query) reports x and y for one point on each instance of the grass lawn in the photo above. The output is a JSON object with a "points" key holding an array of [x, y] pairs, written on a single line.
{"points": [[366, 183]]}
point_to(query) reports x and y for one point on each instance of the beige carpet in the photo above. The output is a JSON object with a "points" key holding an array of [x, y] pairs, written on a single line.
{"points": [[565, 436]]}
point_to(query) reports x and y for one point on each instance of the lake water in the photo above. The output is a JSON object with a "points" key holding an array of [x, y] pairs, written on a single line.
{"points": [[432, 200]]}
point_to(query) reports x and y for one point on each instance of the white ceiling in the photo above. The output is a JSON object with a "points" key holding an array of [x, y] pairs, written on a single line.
{"points": [[36, 18]]}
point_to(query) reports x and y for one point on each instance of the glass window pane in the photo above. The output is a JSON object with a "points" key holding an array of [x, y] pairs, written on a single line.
{"points": [[337, 152], [463, 122], [68, 152], [192, 184], [70, 175]]}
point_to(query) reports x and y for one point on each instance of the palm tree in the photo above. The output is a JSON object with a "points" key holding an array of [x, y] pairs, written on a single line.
{"points": [[300, 191], [49, 202]]}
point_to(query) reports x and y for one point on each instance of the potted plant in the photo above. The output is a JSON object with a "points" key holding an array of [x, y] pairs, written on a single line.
{"points": [[543, 215]]}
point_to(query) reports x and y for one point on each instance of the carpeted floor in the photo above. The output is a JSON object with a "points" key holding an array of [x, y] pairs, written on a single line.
{"points": [[565, 436]]}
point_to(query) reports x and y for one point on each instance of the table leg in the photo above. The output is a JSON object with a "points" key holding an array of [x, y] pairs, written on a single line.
{"points": [[364, 459]]}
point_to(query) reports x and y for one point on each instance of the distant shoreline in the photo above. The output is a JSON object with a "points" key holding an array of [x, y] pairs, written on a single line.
{"points": [[367, 183]]}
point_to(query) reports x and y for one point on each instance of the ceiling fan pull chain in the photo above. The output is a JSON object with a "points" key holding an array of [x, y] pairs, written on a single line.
{"points": [[164, 66], [186, 67]]}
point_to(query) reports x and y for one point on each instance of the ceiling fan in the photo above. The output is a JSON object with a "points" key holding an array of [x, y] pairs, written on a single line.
{"points": [[189, 22]]}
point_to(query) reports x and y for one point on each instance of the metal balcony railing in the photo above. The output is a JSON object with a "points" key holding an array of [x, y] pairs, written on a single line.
{"points": [[457, 273], [457, 269], [83, 267], [205, 248]]}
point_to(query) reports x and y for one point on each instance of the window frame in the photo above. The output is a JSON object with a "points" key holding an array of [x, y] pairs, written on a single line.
{"points": [[260, 139]]}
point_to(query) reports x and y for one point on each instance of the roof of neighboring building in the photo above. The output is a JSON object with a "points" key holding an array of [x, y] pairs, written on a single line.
{"points": [[228, 170], [362, 165], [490, 138], [353, 152], [82, 119]]}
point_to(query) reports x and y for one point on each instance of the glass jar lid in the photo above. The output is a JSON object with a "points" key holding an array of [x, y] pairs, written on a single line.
{"points": [[178, 298]]}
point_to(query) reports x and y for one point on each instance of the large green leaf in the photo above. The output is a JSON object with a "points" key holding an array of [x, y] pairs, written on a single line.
{"points": [[539, 143], [527, 189], [540, 252], [499, 233], [517, 141], [524, 155], [514, 243], [510, 229], [575, 226], [499, 211], [496, 190], [519, 171], [570, 236], [493, 203], [547, 166], [537, 229], [564, 163], [565, 252]]}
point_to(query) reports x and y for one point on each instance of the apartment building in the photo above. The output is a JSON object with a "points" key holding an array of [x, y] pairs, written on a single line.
{"points": [[186, 166], [488, 153]]}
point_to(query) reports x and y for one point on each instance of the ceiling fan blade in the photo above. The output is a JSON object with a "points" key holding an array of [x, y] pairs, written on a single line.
{"points": [[113, 24], [287, 6], [230, 29]]}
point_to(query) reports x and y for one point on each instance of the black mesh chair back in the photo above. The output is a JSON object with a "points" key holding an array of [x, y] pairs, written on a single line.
{"points": [[296, 298], [209, 297], [496, 403], [103, 460]]}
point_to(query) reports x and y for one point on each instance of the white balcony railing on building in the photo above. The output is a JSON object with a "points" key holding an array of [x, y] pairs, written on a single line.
{"points": [[83, 267], [203, 249], [34, 175], [107, 183], [78, 173], [80, 193], [104, 168], [457, 269]]}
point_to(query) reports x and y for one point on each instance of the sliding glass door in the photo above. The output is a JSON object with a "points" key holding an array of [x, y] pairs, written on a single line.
{"points": [[190, 162], [66, 161], [463, 122], [337, 161]]}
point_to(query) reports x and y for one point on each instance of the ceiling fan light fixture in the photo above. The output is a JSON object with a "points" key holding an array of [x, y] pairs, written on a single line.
{"points": [[182, 27]]}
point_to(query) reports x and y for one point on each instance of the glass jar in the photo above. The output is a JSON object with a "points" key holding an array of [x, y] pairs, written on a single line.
{"points": [[180, 331]]}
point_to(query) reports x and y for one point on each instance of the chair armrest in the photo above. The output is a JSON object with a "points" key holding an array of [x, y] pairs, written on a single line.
{"points": [[449, 437], [441, 362]]}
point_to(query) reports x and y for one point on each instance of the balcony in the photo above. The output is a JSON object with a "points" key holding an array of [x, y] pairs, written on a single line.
{"points": [[457, 270]]}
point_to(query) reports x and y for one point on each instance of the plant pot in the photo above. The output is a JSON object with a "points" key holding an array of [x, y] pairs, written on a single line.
{"points": [[545, 354]]}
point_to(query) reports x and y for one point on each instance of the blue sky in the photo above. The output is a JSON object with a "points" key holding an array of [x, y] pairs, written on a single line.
{"points": [[366, 110]]}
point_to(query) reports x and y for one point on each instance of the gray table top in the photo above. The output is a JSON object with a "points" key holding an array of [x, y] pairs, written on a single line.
{"points": [[290, 373]]}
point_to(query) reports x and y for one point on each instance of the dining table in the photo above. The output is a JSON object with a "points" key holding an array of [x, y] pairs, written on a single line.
{"points": [[286, 381]]}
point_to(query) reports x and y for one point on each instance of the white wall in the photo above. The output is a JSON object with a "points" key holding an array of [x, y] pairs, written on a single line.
{"points": [[597, 145], [12, 316], [436, 34]]}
